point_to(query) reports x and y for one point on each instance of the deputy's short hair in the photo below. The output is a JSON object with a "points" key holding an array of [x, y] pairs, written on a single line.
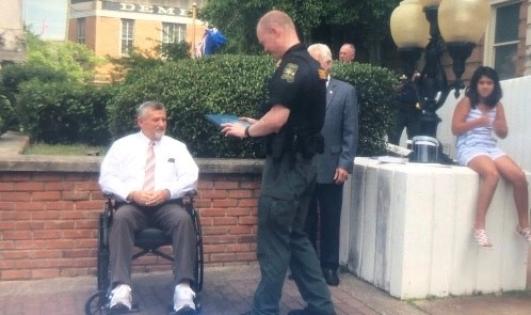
{"points": [[276, 17]]}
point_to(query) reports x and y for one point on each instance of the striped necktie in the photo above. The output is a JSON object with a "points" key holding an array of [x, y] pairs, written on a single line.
{"points": [[149, 175]]}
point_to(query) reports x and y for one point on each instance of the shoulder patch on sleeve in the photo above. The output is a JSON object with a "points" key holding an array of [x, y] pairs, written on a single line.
{"points": [[290, 70]]}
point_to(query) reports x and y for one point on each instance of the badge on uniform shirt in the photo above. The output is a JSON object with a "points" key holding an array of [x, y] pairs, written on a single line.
{"points": [[290, 70]]}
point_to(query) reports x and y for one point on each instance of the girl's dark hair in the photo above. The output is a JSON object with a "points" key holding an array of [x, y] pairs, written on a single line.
{"points": [[472, 90]]}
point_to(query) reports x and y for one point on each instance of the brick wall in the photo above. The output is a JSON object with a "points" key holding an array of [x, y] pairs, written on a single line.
{"points": [[48, 220]]}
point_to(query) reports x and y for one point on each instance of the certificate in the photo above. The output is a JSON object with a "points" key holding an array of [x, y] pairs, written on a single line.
{"points": [[219, 119]]}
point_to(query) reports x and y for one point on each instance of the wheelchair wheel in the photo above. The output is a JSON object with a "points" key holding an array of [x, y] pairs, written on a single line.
{"points": [[103, 253], [199, 265], [97, 304]]}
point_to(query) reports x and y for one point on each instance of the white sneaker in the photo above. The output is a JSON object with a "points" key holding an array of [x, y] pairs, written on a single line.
{"points": [[121, 297], [183, 298]]}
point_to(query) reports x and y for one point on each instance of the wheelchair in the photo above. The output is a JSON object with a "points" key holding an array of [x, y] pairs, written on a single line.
{"points": [[148, 240]]}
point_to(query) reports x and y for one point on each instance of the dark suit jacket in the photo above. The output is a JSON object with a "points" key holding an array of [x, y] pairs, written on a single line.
{"points": [[340, 130]]}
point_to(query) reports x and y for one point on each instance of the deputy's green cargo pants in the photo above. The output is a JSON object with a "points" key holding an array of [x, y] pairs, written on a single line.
{"points": [[286, 189]]}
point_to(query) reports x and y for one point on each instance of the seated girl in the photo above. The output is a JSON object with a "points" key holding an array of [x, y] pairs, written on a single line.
{"points": [[479, 119]]}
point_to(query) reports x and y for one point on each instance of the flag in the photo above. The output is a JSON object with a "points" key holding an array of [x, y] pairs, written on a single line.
{"points": [[213, 40]]}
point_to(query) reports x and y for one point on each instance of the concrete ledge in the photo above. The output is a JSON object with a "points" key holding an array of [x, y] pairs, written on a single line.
{"points": [[229, 166], [89, 164], [12, 144], [408, 231]]}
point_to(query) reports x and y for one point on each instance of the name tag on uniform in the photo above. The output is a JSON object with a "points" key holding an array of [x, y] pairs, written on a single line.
{"points": [[171, 160]]}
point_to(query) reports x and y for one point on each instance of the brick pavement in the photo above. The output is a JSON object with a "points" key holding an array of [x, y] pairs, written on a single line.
{"points": [[227, 291]]}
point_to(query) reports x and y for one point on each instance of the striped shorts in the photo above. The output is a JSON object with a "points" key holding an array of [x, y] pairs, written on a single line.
{"points": [[466, 154]]}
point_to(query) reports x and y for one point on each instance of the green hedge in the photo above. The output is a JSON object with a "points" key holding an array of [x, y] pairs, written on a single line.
{"points": [[55, 111], [190, 89], [236, 84], [6, 114], [376, 95], [62, 112], [15, 74]]}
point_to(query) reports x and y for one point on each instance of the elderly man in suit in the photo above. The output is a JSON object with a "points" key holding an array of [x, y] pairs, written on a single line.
{"points": [[340, 132], [347, 53]]}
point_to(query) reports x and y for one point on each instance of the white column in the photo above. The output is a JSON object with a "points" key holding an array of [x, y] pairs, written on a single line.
{"points": [[528, 41], [411, 232]]}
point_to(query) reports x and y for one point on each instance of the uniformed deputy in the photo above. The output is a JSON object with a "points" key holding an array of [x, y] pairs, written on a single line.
{"points": [[292, 124]]}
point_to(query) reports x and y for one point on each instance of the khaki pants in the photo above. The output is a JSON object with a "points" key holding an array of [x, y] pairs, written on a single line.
{"points": [[172, 218]]}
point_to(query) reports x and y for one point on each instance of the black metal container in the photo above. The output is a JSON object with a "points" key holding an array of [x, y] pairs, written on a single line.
{"points": [[425, 150]]}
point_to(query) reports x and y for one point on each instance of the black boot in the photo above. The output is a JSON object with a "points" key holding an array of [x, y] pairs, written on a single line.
{"points": [[331, 277]]}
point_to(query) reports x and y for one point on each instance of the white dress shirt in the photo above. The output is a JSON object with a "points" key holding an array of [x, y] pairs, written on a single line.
{"points": [[123, 168]]}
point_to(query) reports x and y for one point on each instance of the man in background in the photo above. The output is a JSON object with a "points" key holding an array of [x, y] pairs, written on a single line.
{"points": [[347, 53], [340, 132]]}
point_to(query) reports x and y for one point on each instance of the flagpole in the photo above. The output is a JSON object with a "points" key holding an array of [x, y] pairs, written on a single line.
{"points": [[67, 26], [194, 16]]}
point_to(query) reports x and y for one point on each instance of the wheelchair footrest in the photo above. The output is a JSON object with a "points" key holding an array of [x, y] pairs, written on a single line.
{"points": [[184, 311], [123, 310]]}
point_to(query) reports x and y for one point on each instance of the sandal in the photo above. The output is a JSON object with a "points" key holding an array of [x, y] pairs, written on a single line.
{"points": [[524, 232], [480, 235]]}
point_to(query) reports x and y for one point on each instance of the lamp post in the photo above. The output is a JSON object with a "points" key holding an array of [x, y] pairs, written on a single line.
{"points": [[433, 26]]}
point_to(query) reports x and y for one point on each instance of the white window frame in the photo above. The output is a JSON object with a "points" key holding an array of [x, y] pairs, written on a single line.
{"points": [[81, 30], [489, 45], [131, 37], [179, 29]]}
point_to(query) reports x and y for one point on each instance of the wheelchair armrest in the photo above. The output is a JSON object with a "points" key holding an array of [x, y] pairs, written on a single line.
{"points": [[110, 205], [188, 198]]}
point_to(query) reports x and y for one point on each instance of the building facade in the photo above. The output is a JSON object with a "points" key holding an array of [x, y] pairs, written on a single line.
{"points": [[506, 45], [11, 31], [114, 28]]}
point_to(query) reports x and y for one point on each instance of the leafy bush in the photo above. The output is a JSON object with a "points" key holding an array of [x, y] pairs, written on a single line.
{"points": [[236, 84], [14, 74], [374, 86], [140, 61], [63, 112], [46, 62], [133, 66], [74, 60], [190, 89], [175, 51], [7, 116]]}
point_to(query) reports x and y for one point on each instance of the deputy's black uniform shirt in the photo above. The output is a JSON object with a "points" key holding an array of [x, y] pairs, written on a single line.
{"points": [[300, 85]]}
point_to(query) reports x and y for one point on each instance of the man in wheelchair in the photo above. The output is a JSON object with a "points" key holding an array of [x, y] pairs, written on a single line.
{"points": [[148, 173]]}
